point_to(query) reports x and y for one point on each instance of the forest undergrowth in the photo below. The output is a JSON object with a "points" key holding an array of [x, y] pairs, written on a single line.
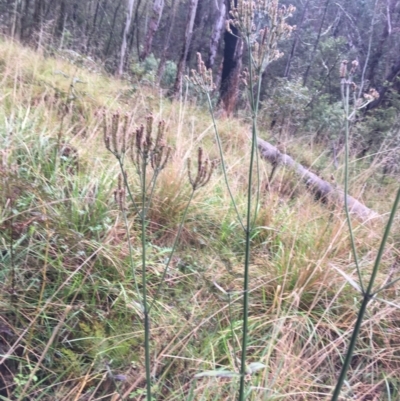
{"points": [[71, 323]]}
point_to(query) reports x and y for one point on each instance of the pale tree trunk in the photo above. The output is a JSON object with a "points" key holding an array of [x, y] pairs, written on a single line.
{"points": [[188, 38], [158, 7], [219, 25], [128, 21]]}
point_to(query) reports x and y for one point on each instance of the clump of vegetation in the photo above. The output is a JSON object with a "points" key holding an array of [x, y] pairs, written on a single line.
{"points": [[73, 323]]}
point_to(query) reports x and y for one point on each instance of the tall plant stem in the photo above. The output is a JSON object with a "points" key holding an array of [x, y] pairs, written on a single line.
{"points": [[126, 184], [346, 101], [366, 298], [144, 283], [368, 293], [221, 155], [248, 230]]}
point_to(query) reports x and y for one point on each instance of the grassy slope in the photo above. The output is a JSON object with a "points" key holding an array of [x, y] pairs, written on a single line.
{"points": [[69, 307]]}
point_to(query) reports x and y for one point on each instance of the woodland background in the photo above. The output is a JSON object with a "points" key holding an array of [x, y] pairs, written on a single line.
{"points": [[157, 41]]}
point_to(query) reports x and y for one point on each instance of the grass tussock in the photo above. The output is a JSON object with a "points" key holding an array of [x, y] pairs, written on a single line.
{"points": [[71, 323]]}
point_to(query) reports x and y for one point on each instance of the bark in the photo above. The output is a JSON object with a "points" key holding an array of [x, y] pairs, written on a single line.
{"points": [[38, 15], [110, 37], [389, 79], [188, 38], [377, 56], [171, 24], [129, 13], [199, 29], [103, 14], [233, 52], [296, 40], [313, 54], [25, 19], [158, 7], [218, 28], [320, 188], [94, 25]]}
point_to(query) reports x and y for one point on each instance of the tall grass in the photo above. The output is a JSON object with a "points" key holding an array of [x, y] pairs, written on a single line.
{"points": [[72, 318]]}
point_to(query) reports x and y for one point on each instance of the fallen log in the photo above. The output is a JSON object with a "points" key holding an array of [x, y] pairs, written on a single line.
{"points": [[322, 189]]}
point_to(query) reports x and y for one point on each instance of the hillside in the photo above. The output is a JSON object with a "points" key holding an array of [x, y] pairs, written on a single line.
{"points": [[71, 323]]}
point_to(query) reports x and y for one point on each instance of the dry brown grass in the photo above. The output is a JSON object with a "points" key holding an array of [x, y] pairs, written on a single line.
{"points": [[75, 306]]}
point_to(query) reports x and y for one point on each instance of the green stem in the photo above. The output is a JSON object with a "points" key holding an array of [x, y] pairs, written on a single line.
{"points": [[221, 155], [368, 293], [126, 184], [254, 106], [130, 252], [366, 298], [346, 182], [144, 283]]}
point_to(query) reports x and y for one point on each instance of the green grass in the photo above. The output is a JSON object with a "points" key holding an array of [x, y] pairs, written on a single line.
{"points": [[70, 311]]}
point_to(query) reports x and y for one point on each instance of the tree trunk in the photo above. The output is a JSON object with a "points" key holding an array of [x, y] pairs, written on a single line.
{"points": [[232, 63], [377, 56], [188, 37], [389, 79], [320, 188], [110, 37], [171, 24], [103, 14], [296, 40], [316, 44], [158, 7], [90, 34], [125, 34], [25, 18], [219, 25]]}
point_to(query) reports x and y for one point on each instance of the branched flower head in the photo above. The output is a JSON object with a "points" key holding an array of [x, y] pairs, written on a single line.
{"points": [[140, 145], [202, 79], [262, 41], [346, 81], [205, 168], [143, 148], [116, 133]]}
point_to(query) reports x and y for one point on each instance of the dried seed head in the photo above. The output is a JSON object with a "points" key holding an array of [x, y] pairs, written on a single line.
{"points": [[116, 133], [125, 133], [343, 69], [204, 170], [374, 93], [354, 66], [149, 128], [201, 79]]}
